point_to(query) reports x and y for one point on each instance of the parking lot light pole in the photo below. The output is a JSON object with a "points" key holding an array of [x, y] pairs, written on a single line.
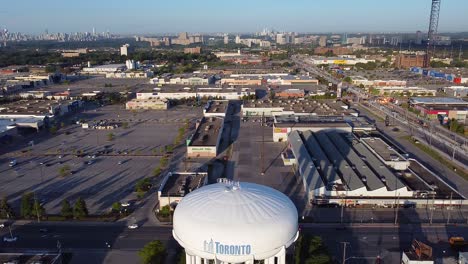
{"points": [[449, 209]]}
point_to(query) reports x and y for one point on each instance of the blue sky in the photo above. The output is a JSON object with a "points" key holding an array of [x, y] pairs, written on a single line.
{"points": [[159, 16]]}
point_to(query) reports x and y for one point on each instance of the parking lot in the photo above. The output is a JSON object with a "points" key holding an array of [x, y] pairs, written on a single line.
{"points": [[255, 152], [103, 169]]}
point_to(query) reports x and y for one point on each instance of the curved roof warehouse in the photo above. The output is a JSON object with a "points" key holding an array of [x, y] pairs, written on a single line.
{"points": [[235, 222]]}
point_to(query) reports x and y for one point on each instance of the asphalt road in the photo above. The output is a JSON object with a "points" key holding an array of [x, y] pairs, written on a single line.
{"points": [[82, 236], [365, 241]]}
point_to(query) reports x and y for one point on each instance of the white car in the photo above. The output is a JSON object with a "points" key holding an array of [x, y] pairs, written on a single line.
{"points": [[9, 239], [125, 204], [2, 225], [133, 226]]}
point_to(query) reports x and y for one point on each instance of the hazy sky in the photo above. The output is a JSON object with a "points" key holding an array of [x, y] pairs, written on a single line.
{"points": [[159, 16]]}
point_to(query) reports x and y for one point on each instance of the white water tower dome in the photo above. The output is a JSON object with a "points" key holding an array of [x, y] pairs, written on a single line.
{"points": [[235, 223]]}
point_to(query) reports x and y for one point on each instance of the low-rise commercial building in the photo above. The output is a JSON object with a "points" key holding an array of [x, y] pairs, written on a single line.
{"points": [[359, 80], [216, 108], [205, 142], [456, 91], [290, 93], [103, 69], [414, 91], [433, 107], [177, 93], [409, 60], [297, 107], [147, 104], [34, 113], [176, 185], [337, 61], [130, 75]]}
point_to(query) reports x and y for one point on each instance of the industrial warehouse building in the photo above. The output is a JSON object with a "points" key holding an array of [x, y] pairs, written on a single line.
{"points": [[336, 165], [332, 167], [285, 124], [231, 222]]}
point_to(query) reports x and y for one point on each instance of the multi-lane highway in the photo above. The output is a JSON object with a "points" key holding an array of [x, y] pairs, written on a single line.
{"points": [[366, 242]]}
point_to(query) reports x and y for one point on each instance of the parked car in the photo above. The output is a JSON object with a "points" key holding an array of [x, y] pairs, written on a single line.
{"points": [[133, 226], [13, 163]]}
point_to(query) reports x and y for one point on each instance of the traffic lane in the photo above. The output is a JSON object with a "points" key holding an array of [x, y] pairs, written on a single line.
{"points": [[84, 236]]}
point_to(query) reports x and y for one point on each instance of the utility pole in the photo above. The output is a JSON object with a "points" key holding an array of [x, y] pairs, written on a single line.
{"points": [[432, 209], [453, 153], [342, 209], [460, 53], [449, 209], [37, 211], [344, 252], [396, 209], [263, 146]]}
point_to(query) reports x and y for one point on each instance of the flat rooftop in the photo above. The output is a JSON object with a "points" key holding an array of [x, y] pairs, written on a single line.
{"points": [[207, 132], [385, 151], [177, 88], [318, 107], [24, 258], [31, 107], [180, 184], [438, 101], [357, 123], [217, 107]]}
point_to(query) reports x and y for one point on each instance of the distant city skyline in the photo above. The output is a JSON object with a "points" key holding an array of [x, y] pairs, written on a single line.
{"points": [[146, 16]]}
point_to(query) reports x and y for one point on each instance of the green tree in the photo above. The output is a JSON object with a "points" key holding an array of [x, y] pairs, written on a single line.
{"points": [[5, 209], [26, 205], [67, 210], [165, 211], [272, 95], [64, 170], [153, 253], [347, 79], [116, 207], [37, 210], [110, 136], [143, 185], [53, 129], [80, 210], [157, 171]]}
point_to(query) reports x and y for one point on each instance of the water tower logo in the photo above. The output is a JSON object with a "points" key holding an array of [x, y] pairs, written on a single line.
{"points": [[208, 246]]}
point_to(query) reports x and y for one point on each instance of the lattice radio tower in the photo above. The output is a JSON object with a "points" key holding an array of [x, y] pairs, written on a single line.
{"points": [[431, 34]]}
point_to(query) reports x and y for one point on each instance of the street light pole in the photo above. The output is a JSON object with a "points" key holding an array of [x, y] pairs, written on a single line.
{"points": [[396, 209], [449, 209], [432, 209], [344, 252], [37, 211]]}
